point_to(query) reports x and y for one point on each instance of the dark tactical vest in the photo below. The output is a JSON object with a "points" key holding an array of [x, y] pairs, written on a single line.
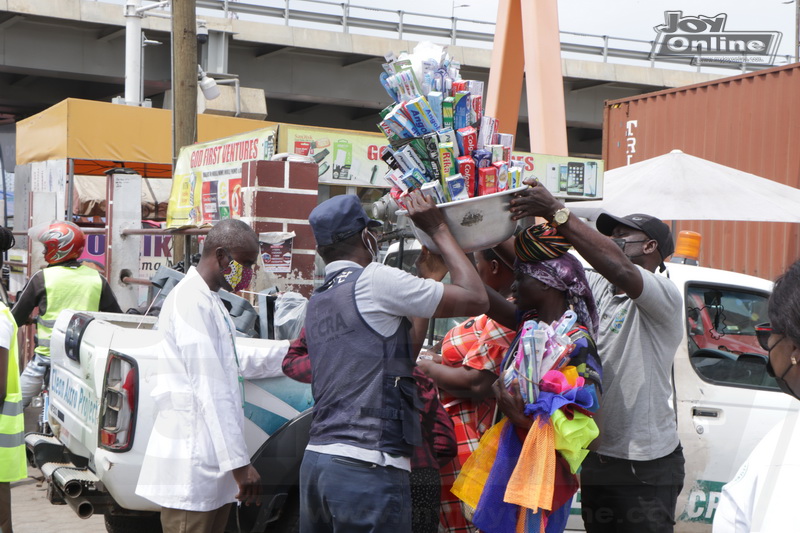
{"points": [[363, 390]]}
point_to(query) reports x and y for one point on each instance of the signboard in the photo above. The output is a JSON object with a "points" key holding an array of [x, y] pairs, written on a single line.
{"points": [[206, 185], [348, 158], [565, 177], [276, 251]]}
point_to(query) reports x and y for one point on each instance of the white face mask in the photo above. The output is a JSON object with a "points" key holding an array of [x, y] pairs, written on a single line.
{"points": [[368, 242]]}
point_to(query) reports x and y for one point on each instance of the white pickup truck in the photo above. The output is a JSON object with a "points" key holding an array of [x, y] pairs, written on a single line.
{"points": [[101, 412]]}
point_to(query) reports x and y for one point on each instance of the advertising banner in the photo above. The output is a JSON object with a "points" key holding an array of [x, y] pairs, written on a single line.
{"points": [[206, 186], [565, 177], [276, 251], [344, 157]]}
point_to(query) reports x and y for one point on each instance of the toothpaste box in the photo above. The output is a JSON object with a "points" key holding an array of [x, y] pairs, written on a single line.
{"points": [[476, 109], [483, 158], [467, 140], [447, 112], [446, 159], [457, 187], [448, 135], [487, 132], [435, 99], [497, 152], [502, 175], [434, 190], [414, 109], [487, 180], [431, 142], [461, 110], [466, 167]]}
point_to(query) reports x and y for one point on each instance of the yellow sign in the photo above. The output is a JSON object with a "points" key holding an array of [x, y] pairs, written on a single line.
{"points": [[207, 184], [344, 157]]}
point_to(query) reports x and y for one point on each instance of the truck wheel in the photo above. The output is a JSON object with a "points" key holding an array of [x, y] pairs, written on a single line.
{"points": [[133, 524]]}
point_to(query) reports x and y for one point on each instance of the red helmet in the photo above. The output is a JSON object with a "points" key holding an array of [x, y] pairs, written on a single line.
{"points": [[62, 241]]}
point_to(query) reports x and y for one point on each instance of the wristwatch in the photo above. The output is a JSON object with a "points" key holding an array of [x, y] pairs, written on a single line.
{"points": [[560, 217]]}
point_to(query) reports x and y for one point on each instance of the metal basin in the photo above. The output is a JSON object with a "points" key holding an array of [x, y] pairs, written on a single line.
{"points": [[476, 223]]}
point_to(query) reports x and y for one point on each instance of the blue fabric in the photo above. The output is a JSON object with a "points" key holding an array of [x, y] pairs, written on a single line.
{"points": [[345, 495], [557, 520], [548, 402], [493, 515]]}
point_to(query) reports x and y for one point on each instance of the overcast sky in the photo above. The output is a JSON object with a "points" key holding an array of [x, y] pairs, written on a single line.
{"points": [[633, 19]]}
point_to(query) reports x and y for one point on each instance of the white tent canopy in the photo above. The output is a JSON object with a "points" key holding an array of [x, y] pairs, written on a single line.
{"points": [[678, 186]]}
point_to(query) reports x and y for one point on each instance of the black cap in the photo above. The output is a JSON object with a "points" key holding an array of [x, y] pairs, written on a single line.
{"points": [[651, 226], [339, 218]]}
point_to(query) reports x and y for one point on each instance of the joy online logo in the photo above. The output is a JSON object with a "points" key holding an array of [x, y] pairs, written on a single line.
{"points": [[705, 37]]}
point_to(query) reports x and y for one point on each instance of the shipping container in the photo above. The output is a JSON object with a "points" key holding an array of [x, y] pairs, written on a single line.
{"points": [[749, 122]]}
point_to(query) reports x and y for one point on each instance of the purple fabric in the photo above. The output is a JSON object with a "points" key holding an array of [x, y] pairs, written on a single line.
{"points": [[493, 515], [566, 274]]}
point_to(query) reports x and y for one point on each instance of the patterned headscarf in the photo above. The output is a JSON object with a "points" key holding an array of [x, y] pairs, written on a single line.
{"points": [[566, 274], [540, 242]]}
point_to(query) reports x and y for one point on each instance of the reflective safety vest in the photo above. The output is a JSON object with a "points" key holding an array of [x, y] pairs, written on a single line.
{"points": [[66, 288], [12, 426]]}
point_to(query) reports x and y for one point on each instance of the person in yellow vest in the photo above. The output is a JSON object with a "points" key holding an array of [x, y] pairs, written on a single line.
{"points": [[64, 284], [12, 426]]}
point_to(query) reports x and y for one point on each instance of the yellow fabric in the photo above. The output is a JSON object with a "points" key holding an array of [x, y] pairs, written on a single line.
{"points": [[66, 288], [532, 483], [12, 427], [571, 373], [573, 436], [470, 482]]}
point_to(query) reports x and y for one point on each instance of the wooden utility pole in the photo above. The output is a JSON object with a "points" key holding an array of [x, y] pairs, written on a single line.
{"points": [[184, 89]]}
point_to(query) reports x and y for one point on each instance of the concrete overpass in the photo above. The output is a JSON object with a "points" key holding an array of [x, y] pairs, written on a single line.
{"points": [[324, 76]]}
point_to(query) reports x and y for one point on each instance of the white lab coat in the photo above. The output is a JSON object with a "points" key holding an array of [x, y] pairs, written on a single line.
{"points": [[198, 435], [762, 497]]}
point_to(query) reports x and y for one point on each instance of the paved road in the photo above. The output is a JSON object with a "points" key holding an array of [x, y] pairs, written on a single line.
{"points": [[32, 513]]}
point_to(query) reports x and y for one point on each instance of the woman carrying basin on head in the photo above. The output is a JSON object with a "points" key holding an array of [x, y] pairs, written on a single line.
{"points": [[548, 395]]}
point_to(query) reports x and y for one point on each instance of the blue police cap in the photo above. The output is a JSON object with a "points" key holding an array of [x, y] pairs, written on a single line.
{"points": [[338, 219]]}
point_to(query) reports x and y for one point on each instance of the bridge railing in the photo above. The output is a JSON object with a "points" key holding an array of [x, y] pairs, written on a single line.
{"points": [[349, 17]]}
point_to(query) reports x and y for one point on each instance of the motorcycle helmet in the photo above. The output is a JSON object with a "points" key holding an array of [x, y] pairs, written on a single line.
{"points": [[63, 241]]}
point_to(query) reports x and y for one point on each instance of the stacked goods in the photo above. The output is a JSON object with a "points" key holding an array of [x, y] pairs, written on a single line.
{"points": [[440, 142]]}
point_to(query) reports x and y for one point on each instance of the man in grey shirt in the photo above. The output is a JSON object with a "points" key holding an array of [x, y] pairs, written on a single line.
{"points": [[631, 482]]}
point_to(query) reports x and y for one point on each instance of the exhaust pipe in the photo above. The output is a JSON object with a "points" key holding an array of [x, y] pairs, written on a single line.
{"points": [[82, 507], [66, 481]]}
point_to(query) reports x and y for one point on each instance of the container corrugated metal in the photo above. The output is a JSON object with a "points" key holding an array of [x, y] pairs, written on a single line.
{"points": [[749, 122]]}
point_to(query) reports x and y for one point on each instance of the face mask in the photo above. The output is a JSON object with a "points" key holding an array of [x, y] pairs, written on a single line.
{"points": [[237, 275], [373, 249], [785, 388], [622, 243]]}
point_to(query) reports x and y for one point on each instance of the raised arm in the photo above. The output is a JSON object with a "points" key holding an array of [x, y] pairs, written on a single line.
{"points": [[600, 251], [465, 295]]}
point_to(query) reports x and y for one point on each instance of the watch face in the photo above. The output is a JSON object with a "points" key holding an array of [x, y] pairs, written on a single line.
{"points": [[561, 216]]}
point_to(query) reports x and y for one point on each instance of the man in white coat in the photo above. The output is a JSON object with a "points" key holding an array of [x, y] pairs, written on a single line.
{"points": [[197, 463]]}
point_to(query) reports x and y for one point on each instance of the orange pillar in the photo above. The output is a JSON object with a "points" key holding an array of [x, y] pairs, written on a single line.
{"points": [[505, 79], [547, 118], [527, 40]]}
